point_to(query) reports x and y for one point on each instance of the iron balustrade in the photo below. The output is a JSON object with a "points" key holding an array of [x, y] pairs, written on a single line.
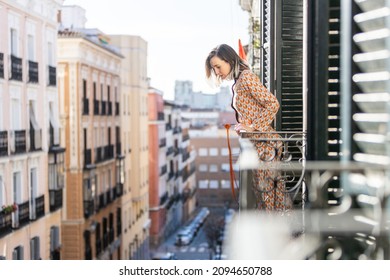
{"points": [[3, 143], [33, 72], [5, 223], [18, 141], [55, 199], [292, 151], [52, 75], [356, 227], [16, 68], [1, 65]]}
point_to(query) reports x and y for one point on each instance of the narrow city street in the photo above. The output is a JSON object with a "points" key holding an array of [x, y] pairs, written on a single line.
{"points": [[198, 249]]}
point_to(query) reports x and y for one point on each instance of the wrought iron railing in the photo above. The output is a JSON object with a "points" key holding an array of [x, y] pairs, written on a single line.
{"points": [[33, 72], [349, 220], [290, 145]]}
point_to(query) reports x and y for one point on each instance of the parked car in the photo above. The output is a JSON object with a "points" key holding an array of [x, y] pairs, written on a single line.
{"points": [[183, 239], [164, 256]]}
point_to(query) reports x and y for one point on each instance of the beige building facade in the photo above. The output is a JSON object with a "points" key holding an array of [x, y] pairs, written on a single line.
{"points": [[31, 158], [135, 201], [89, 86]]}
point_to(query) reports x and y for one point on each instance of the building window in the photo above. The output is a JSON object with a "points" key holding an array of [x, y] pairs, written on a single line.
{"points": [[203, 152], [225, 167], [2, 192], [236, 151], [55, 244], [213, 152], [203, 184], [14, 42], [213, 168], [33, 193], [224, 152], [35, 248], [18, 253], [214, 184], [202, 168], [225, 184]]}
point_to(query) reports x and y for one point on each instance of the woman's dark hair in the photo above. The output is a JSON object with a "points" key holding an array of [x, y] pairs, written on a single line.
{"points": [[228, 54]]}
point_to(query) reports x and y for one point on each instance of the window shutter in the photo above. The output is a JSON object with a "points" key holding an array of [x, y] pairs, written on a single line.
{"points": [[289, 59], [323, 81], [266, 35], [372, 96]]}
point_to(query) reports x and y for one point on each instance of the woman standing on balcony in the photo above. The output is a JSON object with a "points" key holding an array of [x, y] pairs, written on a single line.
{"points": [[255, 109]]}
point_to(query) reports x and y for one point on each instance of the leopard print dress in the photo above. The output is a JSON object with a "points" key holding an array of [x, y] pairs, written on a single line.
{"points": [[256, 106]]}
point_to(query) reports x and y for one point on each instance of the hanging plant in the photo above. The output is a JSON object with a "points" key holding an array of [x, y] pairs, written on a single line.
{"points": [[6, 209]]}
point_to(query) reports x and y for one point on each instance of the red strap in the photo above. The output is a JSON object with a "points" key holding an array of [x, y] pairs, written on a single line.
{"points": [[232, 176]]}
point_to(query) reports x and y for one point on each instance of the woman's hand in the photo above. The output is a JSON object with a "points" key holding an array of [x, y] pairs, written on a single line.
{"points": [[243, 127]]}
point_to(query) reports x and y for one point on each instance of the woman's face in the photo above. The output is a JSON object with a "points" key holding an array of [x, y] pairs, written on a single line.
{"points": [[221, 67]]}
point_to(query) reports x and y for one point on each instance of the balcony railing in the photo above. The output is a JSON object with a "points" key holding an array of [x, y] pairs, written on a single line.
{"points": [[109, 108], [119, 189], [38, 208], [3, 143], [117, 108], [35, 139], [2, 65], [96, 107], [16, 68], [89, 208], [343, 212], [21, 216], [5, 223], [103, 111], [55, 199], [87, 157], [290, 146], [85, 106], [52, 75], [33, 72], [18, 141]]}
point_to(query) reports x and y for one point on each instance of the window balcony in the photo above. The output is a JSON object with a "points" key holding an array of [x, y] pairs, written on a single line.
{"points": [[33, 72], [35, 140], [18, 141], [103, 112], [1, 65], [21, 216], [5, 223], [55, 199], [285, 149], [109, 106], [85, 106], [37, 208], [102, 200], [16, 68], [89, 208], [339, 207], [119, 189], [96, 107], [52, 76], [117, 108], [87, 157], [3, 143]]}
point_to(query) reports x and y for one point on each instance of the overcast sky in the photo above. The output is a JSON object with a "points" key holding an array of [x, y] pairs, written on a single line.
{"points": [[179, 33]]}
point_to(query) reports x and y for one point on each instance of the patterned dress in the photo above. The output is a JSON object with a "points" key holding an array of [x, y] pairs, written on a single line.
{"points": [[255, 106]]}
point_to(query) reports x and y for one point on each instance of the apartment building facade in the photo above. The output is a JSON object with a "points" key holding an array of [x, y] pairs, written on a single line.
{"points": [[89, 85], [181, 156], [212, 166], [134, 133], [158, 170], [31, 158]]}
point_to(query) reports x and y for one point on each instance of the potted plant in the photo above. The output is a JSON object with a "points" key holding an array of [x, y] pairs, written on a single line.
{"points": [[6, 209]]}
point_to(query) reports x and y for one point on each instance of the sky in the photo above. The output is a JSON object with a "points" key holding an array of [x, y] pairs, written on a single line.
{"points": [[179, 33]]}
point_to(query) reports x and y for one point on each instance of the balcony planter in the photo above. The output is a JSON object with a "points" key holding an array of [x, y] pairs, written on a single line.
{"points": [[6, 209]]}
